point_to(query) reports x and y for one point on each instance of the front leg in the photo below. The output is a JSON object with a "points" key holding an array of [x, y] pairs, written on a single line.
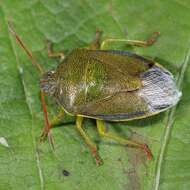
{"points": [[142, 43], [46, 130], [53, 54], [95, 44]]}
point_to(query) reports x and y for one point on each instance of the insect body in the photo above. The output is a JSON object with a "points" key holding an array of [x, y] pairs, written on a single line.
{"points": [[109, 85]]}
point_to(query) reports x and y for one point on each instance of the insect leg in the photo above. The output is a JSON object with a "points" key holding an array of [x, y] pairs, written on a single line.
{"points": [[51, 53], [91, 145], [56, 119], [95, 44], [47, 126], [103, 133], [151, 40], [54, 122]]}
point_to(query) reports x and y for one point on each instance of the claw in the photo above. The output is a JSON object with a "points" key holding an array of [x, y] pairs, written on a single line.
{"points": [[51, 140], [98, 160], [46, 133], [43, 135], [153, 38], [147, 151]]}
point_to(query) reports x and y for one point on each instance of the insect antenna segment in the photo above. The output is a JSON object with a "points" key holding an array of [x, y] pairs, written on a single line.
{"points": [[39, 67], [19, 41]]}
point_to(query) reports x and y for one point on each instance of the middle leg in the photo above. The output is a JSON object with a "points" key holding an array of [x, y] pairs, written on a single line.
{"points": [[88, 141]]}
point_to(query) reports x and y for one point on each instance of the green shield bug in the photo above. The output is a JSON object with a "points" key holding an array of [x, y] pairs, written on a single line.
{"points": [[109, 85]]}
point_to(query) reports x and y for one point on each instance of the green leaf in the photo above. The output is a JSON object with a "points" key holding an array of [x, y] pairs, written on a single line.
{"points": [[26, 164]]}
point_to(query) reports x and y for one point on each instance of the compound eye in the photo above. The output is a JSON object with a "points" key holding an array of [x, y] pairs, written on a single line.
{"points": [[50, 74]]}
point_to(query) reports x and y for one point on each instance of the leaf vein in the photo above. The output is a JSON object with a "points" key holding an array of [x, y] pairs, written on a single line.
{"points": [[169, 123], [30, 111]]}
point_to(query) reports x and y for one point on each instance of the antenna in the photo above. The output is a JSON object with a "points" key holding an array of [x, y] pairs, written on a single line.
{"points": [[39, 67], [19, 41]]}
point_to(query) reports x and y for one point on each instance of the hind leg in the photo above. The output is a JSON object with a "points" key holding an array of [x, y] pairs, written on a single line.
{"points": [[103, 133]]}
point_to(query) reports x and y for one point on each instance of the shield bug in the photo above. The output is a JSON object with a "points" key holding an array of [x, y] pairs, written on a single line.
{"points": [[109, 85]]}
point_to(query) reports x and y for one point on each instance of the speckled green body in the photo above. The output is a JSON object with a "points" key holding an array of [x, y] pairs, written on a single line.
{"points": [[110, 85]]}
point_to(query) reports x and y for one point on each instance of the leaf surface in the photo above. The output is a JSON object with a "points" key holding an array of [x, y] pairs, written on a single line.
{"points": [[25, 164]]}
